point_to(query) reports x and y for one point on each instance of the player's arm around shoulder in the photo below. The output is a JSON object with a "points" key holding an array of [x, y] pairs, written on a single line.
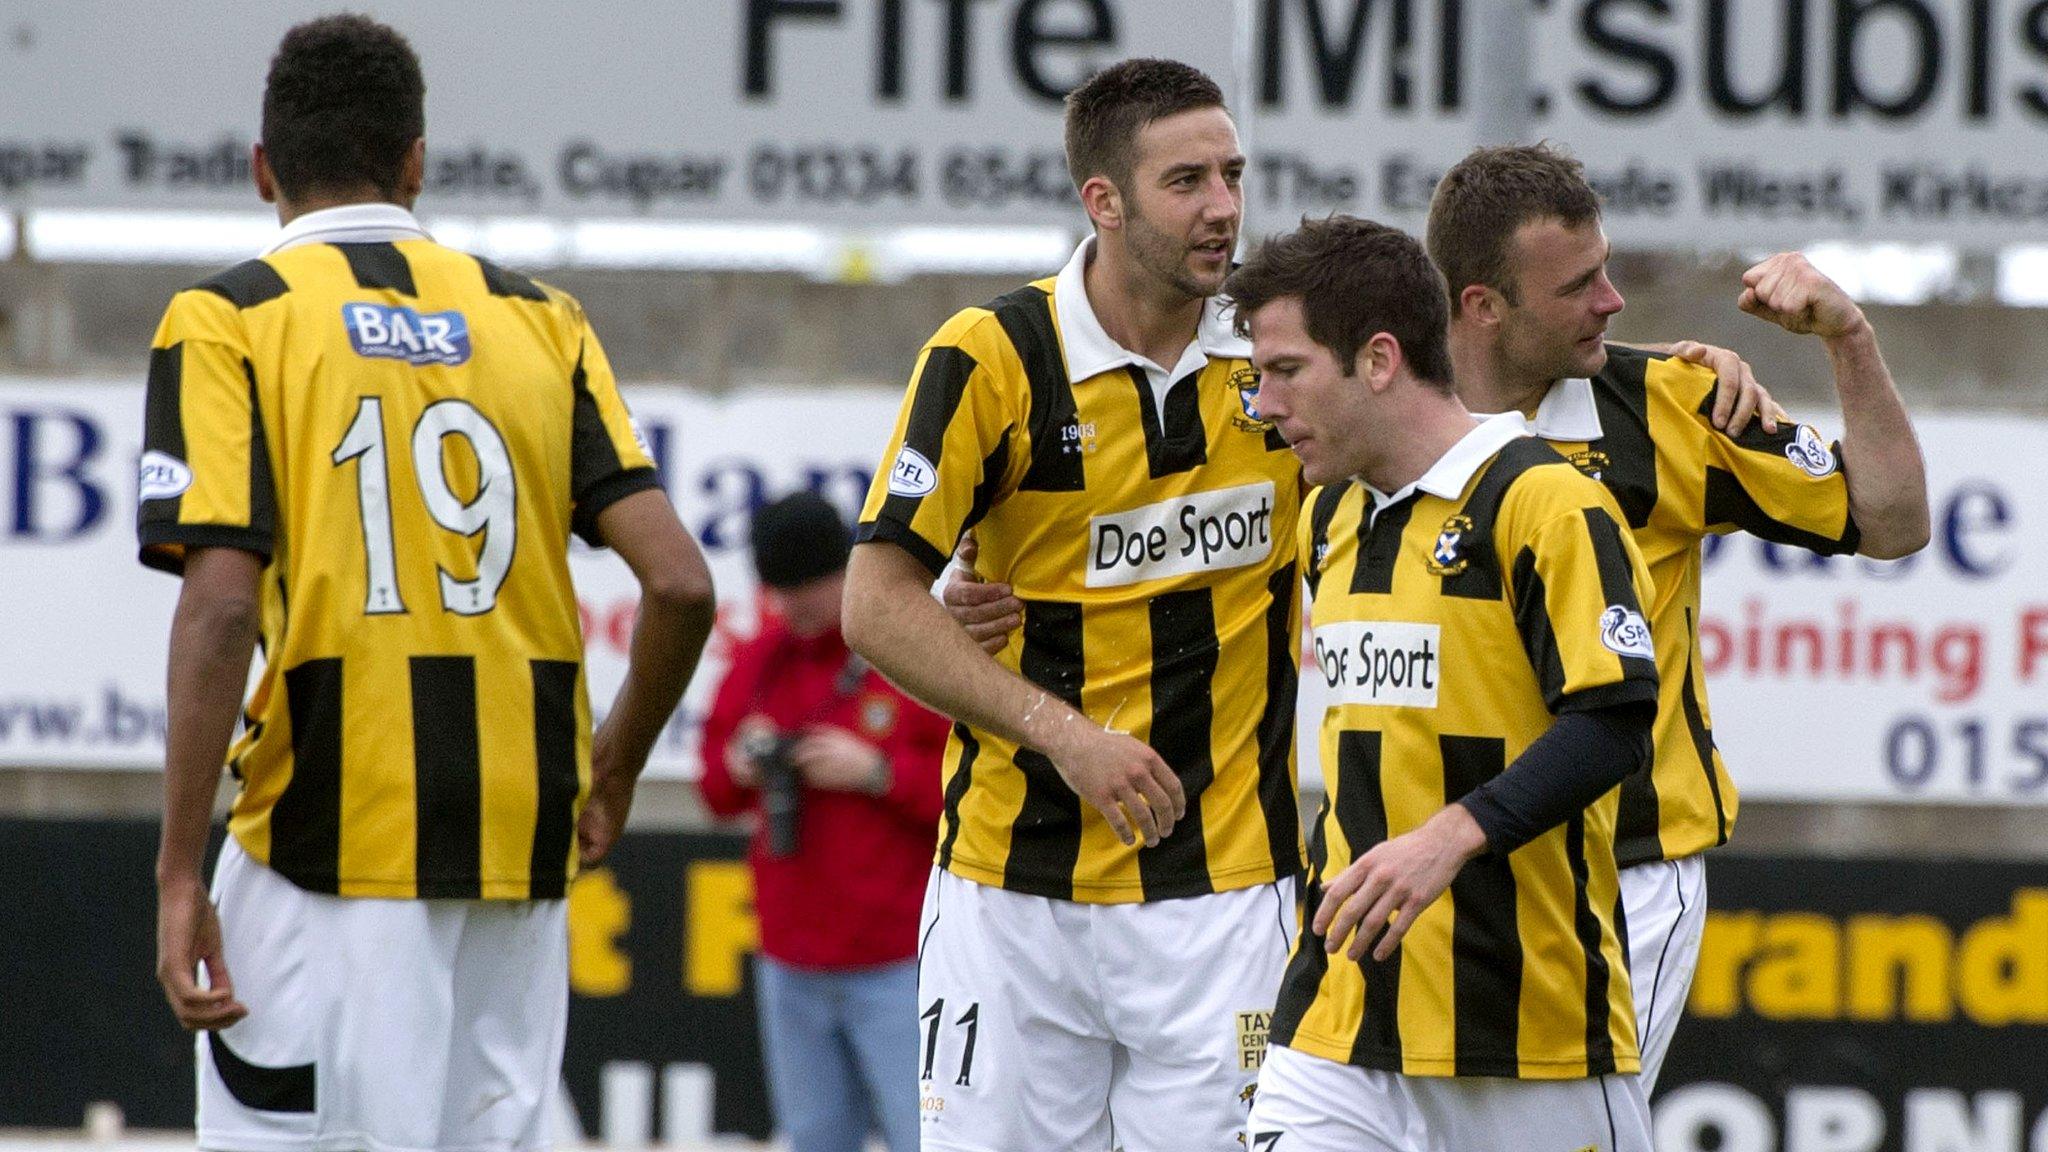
{"points": [[1735, 395], [1686, 397], [1781, 483]]}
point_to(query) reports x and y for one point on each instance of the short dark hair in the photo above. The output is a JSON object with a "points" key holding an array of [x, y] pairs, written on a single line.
{"points": [[1486, 198], [1105, 114], [1355, 278], [343, 103]]}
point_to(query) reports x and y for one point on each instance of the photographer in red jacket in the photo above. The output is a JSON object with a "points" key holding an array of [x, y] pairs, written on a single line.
{"points": [[842, 771]]}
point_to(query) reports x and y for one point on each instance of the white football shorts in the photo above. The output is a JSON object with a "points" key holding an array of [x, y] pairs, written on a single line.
{"points": [[1309, 1104], [382, 1025], [1666, 905], [1055, 1025]]}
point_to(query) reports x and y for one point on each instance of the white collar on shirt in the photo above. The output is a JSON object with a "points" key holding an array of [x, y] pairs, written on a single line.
{"points": [[1090, 351], [1447, 477], [349, 224], [1566, 412]]}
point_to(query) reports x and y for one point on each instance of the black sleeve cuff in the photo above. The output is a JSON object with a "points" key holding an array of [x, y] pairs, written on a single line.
{"points": [[164, 544], [904, 537], [604, 494], [1494, 820]]}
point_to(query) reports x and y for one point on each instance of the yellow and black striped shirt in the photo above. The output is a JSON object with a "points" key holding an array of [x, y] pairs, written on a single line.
{"points": [[408, 435], [1643, 427], [1152, 550], [1450, 628]]}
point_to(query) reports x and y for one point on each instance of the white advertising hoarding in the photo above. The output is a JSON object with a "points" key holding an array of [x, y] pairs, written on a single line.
{"points": [[1730, 123], [82, 683], [1921, 678], [1831, 679], [1754, 122]]}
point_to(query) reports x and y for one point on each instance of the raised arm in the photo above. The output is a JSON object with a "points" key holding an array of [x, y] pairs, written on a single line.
{"points": [[1881, 457]]}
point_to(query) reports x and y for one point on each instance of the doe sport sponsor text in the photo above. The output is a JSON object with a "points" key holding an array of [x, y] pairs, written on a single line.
{"points": [[1380, 662], [1203, 532]]}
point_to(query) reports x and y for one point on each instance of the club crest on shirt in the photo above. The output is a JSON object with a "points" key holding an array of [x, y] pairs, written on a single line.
{"points": [[1810, 452], [1590, 461], [1246, 381], [877, 715], [1446, 558], [1624, 632]]}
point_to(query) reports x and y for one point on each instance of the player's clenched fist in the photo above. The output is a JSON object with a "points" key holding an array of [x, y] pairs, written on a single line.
{"points": [[1790, 292], [1125, 780]]}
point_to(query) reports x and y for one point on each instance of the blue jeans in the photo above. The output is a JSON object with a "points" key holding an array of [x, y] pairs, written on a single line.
{"points": [[841, 1051]]}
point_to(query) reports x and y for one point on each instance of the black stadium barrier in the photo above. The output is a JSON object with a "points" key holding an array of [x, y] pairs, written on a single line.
{"points": [[1840, 1006]]}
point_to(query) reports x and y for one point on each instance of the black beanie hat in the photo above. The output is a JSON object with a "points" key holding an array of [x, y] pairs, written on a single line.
{"points": [[798, 539]]}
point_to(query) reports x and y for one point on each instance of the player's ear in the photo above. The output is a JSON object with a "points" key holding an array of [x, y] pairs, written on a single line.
{"points": [[259, 170], [1379, 358], [1483, 304], [412, 172], [1105, 205]]}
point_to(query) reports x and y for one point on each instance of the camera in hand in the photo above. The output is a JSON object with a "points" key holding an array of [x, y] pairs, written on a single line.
{"points": [[780, 785]]}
